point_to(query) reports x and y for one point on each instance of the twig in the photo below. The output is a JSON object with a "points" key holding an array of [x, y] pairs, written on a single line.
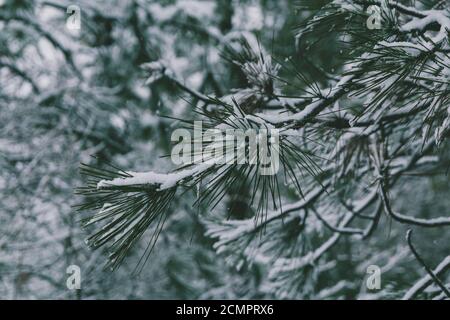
{"points": [[336, 229], [422, 262], [436, 222]]}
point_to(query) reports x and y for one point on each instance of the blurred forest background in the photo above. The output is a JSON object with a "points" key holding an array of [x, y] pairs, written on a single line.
{"points": [[68, 94]]}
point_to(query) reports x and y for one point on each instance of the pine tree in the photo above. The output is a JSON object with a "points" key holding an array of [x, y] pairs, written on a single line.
{"points": [[350, 142], [358, 89]]}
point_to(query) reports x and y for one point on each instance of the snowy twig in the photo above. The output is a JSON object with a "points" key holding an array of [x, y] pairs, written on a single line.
{"points": [[161, 181], [436, 222], [427, 280], [428, 269]]}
